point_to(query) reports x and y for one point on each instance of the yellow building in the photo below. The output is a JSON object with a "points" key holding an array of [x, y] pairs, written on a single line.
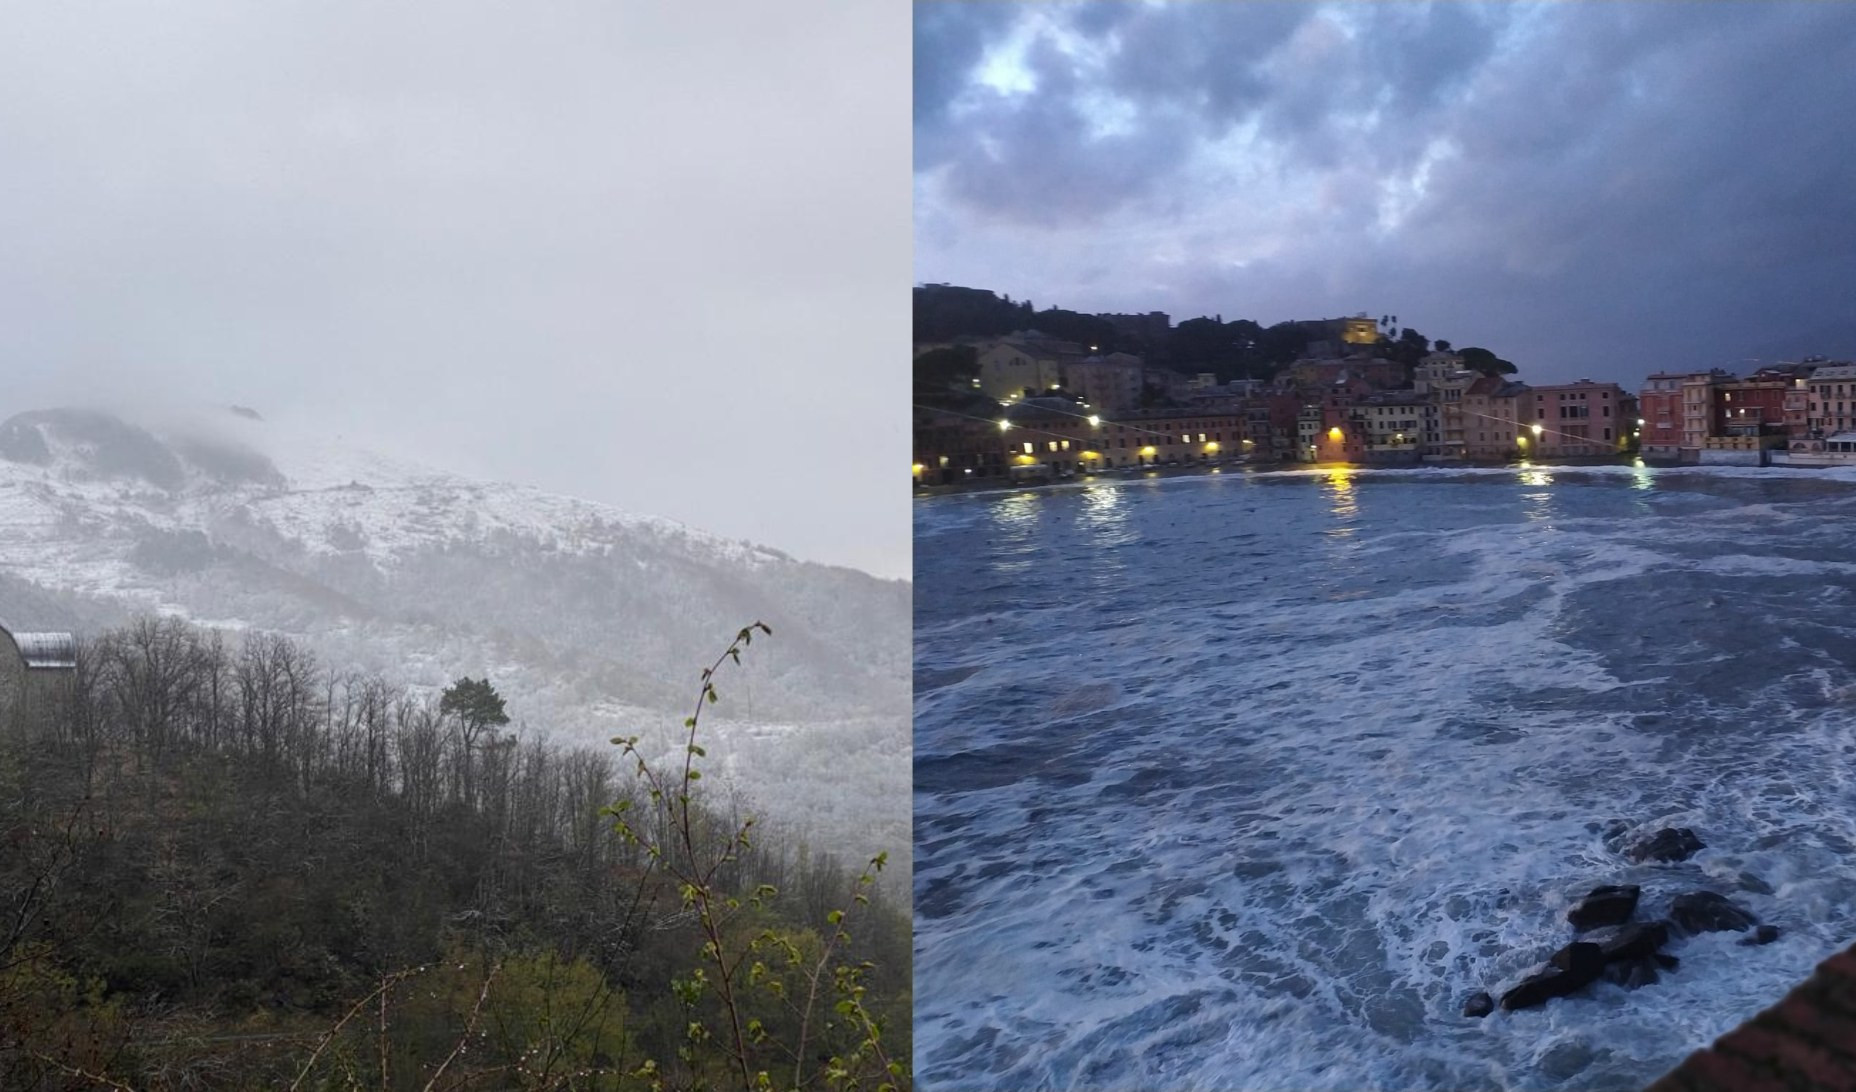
{"points": [[1359, 330]]}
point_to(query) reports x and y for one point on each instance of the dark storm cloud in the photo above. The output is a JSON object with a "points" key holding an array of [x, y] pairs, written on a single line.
{"points": [[1591, 187], [1041, 160], [1179, 74], [949, 41]]}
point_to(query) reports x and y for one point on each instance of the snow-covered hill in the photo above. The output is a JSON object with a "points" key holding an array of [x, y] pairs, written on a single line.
{"points": [[590, 621]]}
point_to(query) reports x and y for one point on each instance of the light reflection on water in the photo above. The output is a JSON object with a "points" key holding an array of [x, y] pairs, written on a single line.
{"points": [[1015, 518]]}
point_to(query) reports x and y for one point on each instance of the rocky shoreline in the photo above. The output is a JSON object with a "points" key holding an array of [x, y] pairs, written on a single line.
{"points": [[1607, 944]]}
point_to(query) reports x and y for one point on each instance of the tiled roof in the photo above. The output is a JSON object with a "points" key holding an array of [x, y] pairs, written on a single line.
{"points": [[1805, 1042]]}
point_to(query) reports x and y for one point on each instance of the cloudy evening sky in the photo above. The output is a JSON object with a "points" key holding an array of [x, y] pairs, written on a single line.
{"points": [[649, 254], [1589, 189]]}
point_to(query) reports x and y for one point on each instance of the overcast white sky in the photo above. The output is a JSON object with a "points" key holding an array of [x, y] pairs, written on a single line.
{"points": [[650, 254]]}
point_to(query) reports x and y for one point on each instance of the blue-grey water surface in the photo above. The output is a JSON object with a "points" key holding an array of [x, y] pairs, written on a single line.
{"points": [[1245, 781]]}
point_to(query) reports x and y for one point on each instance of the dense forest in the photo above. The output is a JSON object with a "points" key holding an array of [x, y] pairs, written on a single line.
{"points": [[224, 865]]}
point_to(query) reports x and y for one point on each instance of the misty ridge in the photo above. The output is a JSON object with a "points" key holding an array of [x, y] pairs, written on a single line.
{"points": [[592, 622]]}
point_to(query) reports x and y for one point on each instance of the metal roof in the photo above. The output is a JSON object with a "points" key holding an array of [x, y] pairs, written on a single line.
{"points": [[45, 651]]}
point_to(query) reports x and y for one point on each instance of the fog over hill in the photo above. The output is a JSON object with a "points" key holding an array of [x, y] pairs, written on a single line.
{"points": [[591, 621]]}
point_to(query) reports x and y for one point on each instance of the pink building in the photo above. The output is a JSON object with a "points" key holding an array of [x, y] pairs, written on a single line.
{"points": [[1572, 420]]}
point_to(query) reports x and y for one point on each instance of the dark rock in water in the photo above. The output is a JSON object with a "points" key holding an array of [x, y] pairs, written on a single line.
{"points": [[1765, 934], [1610, 905], [1480, 1004], [1707, 912], [1754, 884], [1574, 956], [1573, 966], [1667, 962], [1667, 844], [1641, 973], [1615, 832], [1625, 943]]}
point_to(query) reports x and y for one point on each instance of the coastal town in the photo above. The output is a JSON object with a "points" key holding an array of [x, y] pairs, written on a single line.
{"points": [[1030, 406]]}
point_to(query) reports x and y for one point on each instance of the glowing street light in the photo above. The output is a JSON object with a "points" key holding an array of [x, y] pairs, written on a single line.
{"points": [[1004, 425], [1094, 421], [1538, 429]]}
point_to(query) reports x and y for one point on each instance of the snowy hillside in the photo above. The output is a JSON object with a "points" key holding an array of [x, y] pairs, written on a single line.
{"points": [[591, 621]]}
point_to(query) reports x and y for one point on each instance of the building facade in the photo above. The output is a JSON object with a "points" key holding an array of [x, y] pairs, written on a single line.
{"points": [[1660, 405], [1443, 379], [1491, 423], [1109, 383], [1394, 424], [1573, 420]]}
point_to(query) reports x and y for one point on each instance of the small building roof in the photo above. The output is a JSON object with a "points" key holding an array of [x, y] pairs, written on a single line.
{"points": [[47, 651], [44, 651]]}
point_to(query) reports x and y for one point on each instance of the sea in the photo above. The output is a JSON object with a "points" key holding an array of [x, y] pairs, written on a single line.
{"points": [[1247, 780]]}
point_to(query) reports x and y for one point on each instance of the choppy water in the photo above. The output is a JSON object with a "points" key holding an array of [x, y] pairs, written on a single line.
{"points": [[1246, 781]]}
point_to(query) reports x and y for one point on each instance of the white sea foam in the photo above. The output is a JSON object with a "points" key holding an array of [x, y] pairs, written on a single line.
{"points": [[1248, 784]]}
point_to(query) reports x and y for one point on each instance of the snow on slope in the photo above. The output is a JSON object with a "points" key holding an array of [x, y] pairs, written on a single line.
{"points": [[592, 621]]}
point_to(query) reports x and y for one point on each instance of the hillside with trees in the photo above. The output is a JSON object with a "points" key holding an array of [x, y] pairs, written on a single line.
{"points": [[228, 865], [587, 616], [1239, 349]]}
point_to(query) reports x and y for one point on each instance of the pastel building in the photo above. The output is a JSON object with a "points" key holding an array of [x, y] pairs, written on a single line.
{"points": [[1491, 428], [1572, 420]]}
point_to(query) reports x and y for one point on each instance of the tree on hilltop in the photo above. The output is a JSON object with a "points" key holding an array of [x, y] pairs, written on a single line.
{"points": [[1484, 361]]}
